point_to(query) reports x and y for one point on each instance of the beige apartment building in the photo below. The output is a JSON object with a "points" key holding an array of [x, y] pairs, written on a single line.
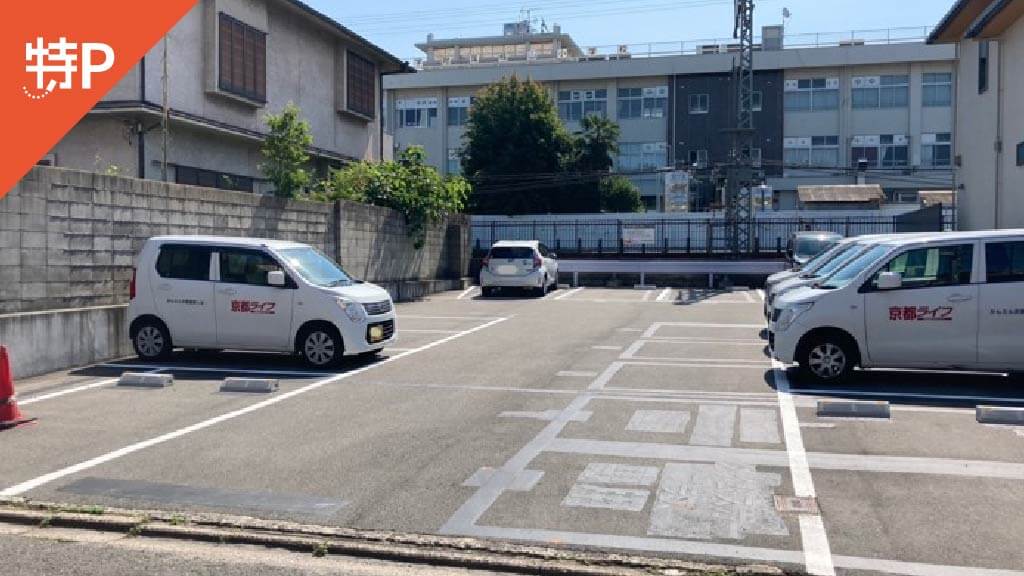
{"points": [[229, 63], [989, 151]]}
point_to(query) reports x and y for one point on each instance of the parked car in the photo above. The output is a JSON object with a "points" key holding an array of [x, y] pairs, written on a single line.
{"points": [[941, 301], [209, 292], [522, 264], [803, 246]]}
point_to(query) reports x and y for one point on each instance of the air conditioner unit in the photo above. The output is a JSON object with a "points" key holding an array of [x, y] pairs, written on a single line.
{"points": [[709, 49]]}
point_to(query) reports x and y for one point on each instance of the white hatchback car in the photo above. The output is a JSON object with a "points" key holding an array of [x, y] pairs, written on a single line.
{"points": [[209, 292], [519, 264]]}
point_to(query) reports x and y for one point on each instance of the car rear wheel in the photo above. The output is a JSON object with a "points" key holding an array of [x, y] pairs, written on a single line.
{"points": [[827, 359], [542, 290], [487, 291], [321, 346], [152, 341]]}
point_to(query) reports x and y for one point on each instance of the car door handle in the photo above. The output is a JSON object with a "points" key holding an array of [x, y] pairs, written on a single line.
{"points": [[228, 291], [959, 298]]}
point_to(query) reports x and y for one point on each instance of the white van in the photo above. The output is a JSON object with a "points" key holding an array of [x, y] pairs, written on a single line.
{"points": [[208, 292], [943, 301]]}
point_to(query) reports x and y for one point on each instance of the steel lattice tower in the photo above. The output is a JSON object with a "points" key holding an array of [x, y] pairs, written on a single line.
{"points": [[740, 173]]}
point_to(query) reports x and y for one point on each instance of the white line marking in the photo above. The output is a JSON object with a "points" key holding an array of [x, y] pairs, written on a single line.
{"points": [[466, 292], [631, 329], [647, 295], [817, 553], [700, 340], [684, 364], [663, 297], [607, 347], [421, 317], [835, 393], [186, 368], [425, 331], [606, 376], [631, 350], [59, 393], [569, 293], [747, 296], [576, 374], [658, 325], [102, 459], [817, 425], [760, 294]]}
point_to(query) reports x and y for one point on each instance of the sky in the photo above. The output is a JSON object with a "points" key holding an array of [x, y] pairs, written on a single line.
{"points": [[396, 25]]}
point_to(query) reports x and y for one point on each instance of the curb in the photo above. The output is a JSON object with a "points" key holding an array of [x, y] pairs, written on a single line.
{"points": [[457, 552]]}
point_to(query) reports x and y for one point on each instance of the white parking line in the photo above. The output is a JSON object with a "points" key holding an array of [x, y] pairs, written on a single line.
{"points": [[66, 391], [760, 294], [568, 293], [647, 295], [663, 297], [817, 553], [921, 395], [187, 368], [466, 292], [421, 317], [425, 331], [747, 296], [23, 487], [658, 325]]}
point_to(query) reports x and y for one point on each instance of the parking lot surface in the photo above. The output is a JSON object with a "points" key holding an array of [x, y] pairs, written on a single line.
{"points": [[652, 421]]}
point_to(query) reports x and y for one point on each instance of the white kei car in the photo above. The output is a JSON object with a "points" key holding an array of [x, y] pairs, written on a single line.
{"points": [[519, 264]]}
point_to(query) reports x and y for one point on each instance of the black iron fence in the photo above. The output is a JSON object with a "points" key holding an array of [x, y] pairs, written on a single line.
{"points": [[693, 237]]}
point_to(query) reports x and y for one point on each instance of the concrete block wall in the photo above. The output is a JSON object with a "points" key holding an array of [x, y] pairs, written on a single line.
{"points": [[68, 238]]}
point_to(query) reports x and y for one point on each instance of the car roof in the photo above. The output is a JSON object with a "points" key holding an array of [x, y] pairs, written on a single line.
{"points": [[521, 243], [240, 242], [816, 234], [924, 238]]}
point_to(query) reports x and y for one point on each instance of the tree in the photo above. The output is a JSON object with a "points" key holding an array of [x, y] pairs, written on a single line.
{"points": [[596, 145], [516, 149], [285, 151], [618, 194], [408, 185]]}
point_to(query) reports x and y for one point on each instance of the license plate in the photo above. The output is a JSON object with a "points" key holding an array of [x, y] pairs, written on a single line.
{"points": [[376, 333], [507, 269]]}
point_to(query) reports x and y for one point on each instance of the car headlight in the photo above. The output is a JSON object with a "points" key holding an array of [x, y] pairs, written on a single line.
{"points": [[353, 310], [790, 314]]}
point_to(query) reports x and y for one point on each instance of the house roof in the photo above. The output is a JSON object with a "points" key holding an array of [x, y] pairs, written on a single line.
{"points": [[976, 19], [932, 197], [337, 27], [841, 193]]}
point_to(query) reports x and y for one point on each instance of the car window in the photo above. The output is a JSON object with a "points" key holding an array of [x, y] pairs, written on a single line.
{"points": [[316, 268], [543, 250], [246, 266], [809, 246], [1004, 262], [854, 267], [512, 252], [821, 259], [840, 260], [183, 262], [932, 266]]}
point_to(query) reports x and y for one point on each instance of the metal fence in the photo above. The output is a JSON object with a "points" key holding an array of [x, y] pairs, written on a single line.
{"points": [[687, 237]]}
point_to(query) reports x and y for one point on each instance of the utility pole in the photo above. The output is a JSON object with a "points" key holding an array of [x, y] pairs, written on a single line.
{"points": [[740, 174], [165, 116]]}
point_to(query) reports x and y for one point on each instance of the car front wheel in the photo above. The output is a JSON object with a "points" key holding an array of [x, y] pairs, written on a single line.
{"points": [[321, 346], [827, 360]]}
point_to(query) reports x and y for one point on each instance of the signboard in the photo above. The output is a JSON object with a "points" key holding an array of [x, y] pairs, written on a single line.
{"points": [[677, 191], [634, 236]]}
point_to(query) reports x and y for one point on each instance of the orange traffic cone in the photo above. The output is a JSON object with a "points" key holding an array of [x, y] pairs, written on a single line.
{"points": [[10, 416]]}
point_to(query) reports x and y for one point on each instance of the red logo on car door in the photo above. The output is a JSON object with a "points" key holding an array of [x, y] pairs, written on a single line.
{"points": [[252, 307]]}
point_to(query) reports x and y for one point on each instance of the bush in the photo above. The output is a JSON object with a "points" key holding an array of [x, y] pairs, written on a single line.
{"points": [[407, 185], [619, 194]]}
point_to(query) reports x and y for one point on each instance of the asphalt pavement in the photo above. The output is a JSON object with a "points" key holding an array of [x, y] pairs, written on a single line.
{"points": [[647, 421]]}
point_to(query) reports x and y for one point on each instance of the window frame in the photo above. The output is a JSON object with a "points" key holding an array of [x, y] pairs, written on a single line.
{"points": [[813, 90], [224, 251], [892, 88], [207, 249], [356, 77], [869, 285], [699, 152], [983, 62], [241, 59], [928, 81], [203, 176], [829, 142], [1011, 277], [566, 102], [703, 103], [928, 151]]}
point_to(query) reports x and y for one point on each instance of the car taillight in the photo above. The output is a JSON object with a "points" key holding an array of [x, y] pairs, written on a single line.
{"points": [[131, 286], [486, 262], [536, 262]]}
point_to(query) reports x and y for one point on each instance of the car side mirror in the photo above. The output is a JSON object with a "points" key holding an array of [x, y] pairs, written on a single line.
{"points": [[275, 278], [889, 281]]}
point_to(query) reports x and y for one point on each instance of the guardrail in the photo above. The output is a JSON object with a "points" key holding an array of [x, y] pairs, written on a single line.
{"points": [[688, 237]]}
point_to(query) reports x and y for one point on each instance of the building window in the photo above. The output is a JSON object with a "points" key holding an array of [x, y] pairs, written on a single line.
{"points": [[817, 151], [458, 110], [642, 102], [699, 158], [1020, 154], [890, 151], [867, 154], [212, 179], [416, 113], [811, 94], [894, 154], [454, 165], [641, 156], [361, 85], [936, 150], [881, 92], [937, 89], [573, 105], [982, 66], [242, 59], [699, 103], [630, 103]]}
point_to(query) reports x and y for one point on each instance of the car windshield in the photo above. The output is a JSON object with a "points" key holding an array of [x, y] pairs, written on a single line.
{"points": [[810, 246], [512, 252], [314, 267], [854, 267], [814, 264], [840, 260]]}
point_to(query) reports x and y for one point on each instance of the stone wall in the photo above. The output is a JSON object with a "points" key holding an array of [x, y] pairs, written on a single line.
{"points": [[68, 239]]}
